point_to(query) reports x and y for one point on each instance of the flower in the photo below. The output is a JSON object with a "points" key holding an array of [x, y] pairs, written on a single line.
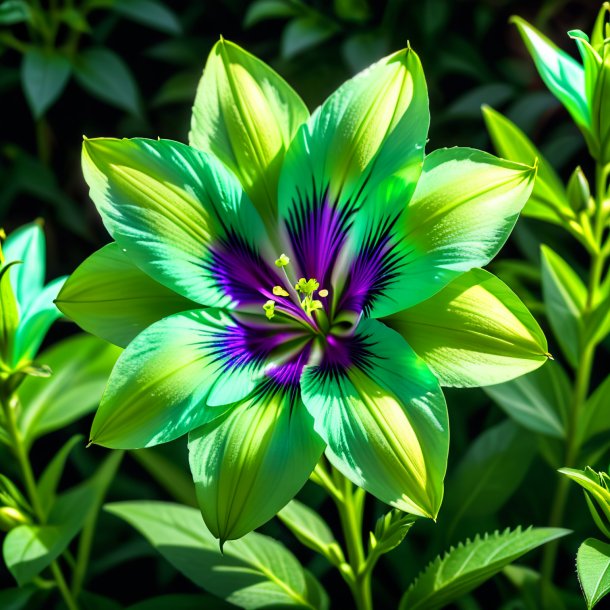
{"points": [[26, 303], [289, 285]]}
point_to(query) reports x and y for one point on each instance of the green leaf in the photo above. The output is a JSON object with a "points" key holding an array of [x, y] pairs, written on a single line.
{"points": [[51, 475], [28, 549], [470, 564], [384, 419], [266, 439], [563, 75], [107, 77], [9, 314], [252, 573], [548, 200], [310, 530], [17, 598], [489, 473], [182, 602], [474, 332], [593, 565], [246, 115], [44, 75], [595, 417], [110, 297], [538, 401], [390, 530], [262, 10], [578, 191], [601, 114], [565, 296], [81, 366], [151, 13], [304, 33], [14, 11]]}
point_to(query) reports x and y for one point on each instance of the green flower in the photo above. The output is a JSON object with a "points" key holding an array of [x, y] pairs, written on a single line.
{"points": [[26, 304], [289, 285]]}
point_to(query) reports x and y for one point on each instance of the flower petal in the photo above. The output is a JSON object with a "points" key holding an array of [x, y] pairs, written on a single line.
{"points": [[372, 130], [249, 463], [245, 114], [474, 332], [180, 216], [176, 375], [463, 210], [383, 415], [35, 321], [26, 244], [110, 297]]}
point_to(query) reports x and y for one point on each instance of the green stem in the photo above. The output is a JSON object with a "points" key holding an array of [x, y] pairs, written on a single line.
{"points": [[580, 392], [18, 447]]}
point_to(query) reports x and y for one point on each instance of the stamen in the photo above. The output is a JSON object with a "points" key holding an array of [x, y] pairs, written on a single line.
{"points": [[282, 261], [269, 308], [323, 293], [278, 291]]}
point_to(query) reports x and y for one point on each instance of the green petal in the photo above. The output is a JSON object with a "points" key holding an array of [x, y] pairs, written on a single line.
{"points": [[371, 130], [248, 464], [167, 205], [385, 422], [110, 297], [463, 210], [548, 200], [163, 383], [246, 115], [474, 332], [26, 244], [35, 322], [563, 75]]}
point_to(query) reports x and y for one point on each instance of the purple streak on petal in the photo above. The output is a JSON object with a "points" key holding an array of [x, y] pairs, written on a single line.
{"points": [[288, 373], [375, 267], [317, 230]]}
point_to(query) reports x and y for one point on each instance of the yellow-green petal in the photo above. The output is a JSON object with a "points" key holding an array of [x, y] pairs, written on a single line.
{"points": [[474, 332], [108, 296], [246, 115], [248, 464]]}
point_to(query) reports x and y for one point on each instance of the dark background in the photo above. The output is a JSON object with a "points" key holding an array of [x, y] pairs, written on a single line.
{"points": [[471, 55]]}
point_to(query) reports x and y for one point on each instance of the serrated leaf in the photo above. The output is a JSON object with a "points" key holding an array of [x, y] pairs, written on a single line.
{"points": [[468, 565], [593, 566], [253, 572]]}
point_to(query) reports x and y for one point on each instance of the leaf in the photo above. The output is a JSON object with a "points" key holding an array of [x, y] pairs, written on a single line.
{"points": [[489, 473], [44, 76], [105, 75], [182, 602], [310, 529], [390, 531], [28, 549], [14, 11], [595, 416], [253, 572], [263, 10], [468, 565], [593, 566], [303, 33], [81, 366], [538, 401], [150, 13], [49, 479], [9, 314], [564, 298], [16, 598]]}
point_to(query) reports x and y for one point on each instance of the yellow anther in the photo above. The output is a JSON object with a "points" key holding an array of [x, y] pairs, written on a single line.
{"points": [[269, 308], [278, 291], [282, 261], [323, 293], [307, 287]]}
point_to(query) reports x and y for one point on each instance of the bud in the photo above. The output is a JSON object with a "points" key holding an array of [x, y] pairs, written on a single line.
{"points": [[579, 193], [10, 518]]}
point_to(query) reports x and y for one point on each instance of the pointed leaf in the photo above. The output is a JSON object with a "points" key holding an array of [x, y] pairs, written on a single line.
{"points": [[539, 401], [267, 440], [565, 296], [9, 312], [474, 332], [80, 366], [44, 75], [470, 564], [246, 115], [593, 565], [252, 573], [110, 297]]}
